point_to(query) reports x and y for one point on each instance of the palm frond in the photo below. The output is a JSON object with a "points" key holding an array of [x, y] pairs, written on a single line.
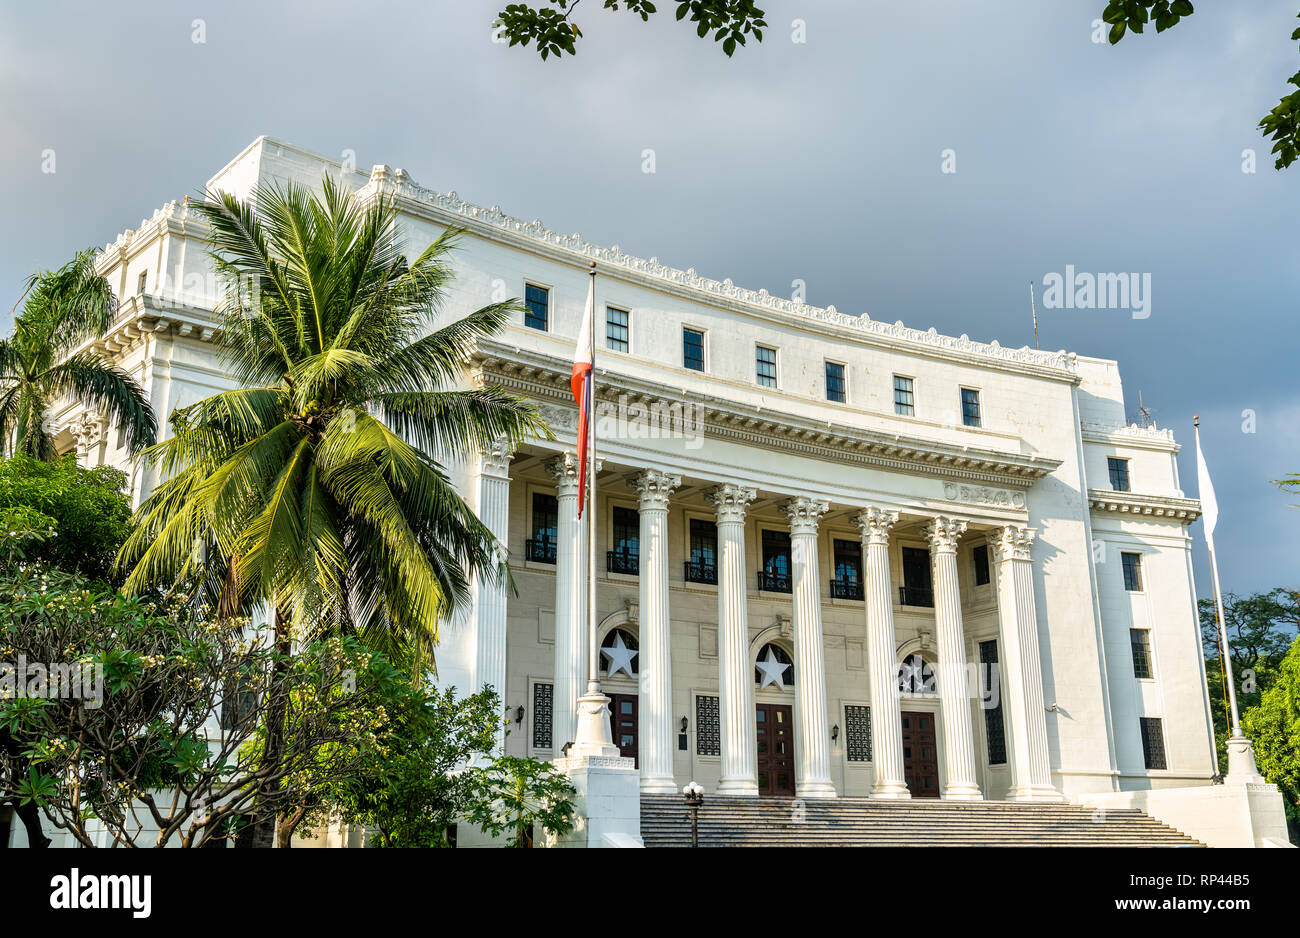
{"points": [[93, 380]]}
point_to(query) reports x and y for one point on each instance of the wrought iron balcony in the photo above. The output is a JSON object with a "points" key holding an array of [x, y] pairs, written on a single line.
{"points": [[916, 596], [774, 582], [699, 571], [846, 588], [623, 561], [540, 550]]}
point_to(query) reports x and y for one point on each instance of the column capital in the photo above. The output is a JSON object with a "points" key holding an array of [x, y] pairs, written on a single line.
{"points": [[805, 513], [730, 501], [654, 488], [564, 470], [943, 534], [875, 524], [495, 460], [1012, 543]]}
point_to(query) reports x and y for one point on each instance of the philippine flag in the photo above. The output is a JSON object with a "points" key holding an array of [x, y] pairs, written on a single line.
{"points": [[581, 385]]}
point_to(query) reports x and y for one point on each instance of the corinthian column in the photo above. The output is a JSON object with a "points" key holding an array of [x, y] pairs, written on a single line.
{"points": [[735, 682], [656, 703], [958, 743], [489, 596], [812, 743], [570, 678], [886, 715], [1018, 619]]}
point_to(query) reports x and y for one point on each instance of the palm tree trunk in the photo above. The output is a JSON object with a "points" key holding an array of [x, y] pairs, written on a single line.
{"points": [[264, 809]]}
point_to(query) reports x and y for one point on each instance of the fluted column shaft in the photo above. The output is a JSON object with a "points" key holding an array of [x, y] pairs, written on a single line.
{"points": [[490, 597], [655, 658], [570, 675], [954, 699], [739, 738], [1018, 620], [886, 715], [812, 738]]}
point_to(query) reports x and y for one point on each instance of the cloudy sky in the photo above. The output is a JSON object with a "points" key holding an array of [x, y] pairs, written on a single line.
{"points": [[818, 161]]}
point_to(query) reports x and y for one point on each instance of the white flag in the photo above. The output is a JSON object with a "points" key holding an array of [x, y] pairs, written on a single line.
{"points": [[1205, 489]]}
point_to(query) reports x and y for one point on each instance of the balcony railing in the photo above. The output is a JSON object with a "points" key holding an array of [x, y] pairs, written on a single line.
{"points": [[697, 571], [623, 561], [843, 588], [774, 582], [915, 596], [540, 550]]}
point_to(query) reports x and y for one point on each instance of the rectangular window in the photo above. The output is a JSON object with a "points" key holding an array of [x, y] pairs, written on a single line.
{"points": [[537, 306], [540, 548], [703, 565], [1153, 743], [542, 699], [970, 407], [626, 555], [904, 399], [980, 555], [857, 733], [1118, 473], [1132, 565], [142, 281], [835, 382], [916, 589], [692, 349], [765, 364], [848, 570], [1140, 641], [994, 729], [617, 329], [707, 737], [775, 575]]}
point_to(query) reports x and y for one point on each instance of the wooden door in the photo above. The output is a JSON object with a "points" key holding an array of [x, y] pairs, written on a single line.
{"points": [[623, 723], [920, 754], [775, 749]]}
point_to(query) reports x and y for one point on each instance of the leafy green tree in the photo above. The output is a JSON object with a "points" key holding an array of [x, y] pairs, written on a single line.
{"points": [[1274, 727], [520, 794], [39, 362], [86, 506], [1282, 123], [551, 24]]}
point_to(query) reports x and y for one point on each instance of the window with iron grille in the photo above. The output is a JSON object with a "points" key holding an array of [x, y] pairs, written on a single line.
{"points": [[1140, 640], [1118, 473], [857, 733], [626, 555], [980, 557], [707, 736], [765, 364], [542, 697], [617, 329], [537, 306], [775, 575], [848, 570], [703, 565], [917, 588], [540, 548], [904, 399], [692, 349], [970, 407], [994, 729], [1153, 743], [1132, 566], [835, 382]]}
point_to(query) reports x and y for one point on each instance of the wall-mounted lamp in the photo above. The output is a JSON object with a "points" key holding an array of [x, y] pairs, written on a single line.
{"points": [[685, 723], [519, 714], [835, 732]]}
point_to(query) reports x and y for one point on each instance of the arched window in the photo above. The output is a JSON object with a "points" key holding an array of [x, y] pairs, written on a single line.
{"points": [[618, 653], [773, 668], [916, 676]]}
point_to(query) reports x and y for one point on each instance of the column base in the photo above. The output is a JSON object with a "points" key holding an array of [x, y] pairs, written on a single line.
{"points": [[592, 738], [812, 789], [891, 791], [738, 788], [1241, 763], [658, 785], [1042, 793], [963, 793]]}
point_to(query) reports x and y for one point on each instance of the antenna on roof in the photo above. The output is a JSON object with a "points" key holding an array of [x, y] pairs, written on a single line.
{"points": [[1033, 309], [1146, 417]]}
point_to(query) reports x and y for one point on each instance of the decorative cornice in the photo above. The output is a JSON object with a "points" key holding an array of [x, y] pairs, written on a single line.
{"points": [[546, 378], [1155, 438], [943, 534], [1170, 507], [875, 524], [804, 513]]}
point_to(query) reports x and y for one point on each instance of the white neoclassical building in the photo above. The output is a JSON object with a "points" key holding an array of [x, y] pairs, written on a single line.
{"points": [[837, 556]]}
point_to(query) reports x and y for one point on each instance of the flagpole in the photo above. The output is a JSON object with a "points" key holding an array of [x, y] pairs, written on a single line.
{"points": [[593, 663], [1218, 606]]}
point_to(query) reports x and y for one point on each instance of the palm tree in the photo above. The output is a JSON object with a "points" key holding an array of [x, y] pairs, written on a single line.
{"points": [[318, 488], [63, 309]]}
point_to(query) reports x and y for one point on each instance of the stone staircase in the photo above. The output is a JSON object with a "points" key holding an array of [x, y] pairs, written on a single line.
{"points": [[861, 822]]}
